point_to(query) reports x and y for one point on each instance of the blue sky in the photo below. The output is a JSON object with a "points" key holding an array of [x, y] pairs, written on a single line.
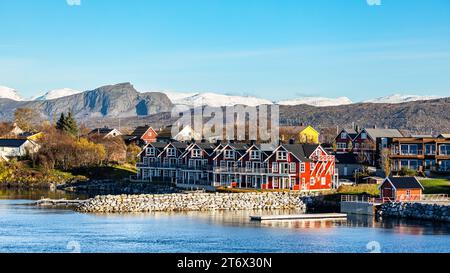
{"points": [[276, 49]]}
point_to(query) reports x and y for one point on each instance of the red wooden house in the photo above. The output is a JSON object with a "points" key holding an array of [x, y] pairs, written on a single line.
{"points": [[401, 189]]}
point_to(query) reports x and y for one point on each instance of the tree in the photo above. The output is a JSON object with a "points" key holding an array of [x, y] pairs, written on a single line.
{"points": [[350, 145], [334, 145], [132, 153], [27, 119], [67, 124], [386, 162]]}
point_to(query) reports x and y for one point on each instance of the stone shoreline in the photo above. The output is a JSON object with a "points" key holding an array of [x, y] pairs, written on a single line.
{"points": [[193, 202], [435, 212]]}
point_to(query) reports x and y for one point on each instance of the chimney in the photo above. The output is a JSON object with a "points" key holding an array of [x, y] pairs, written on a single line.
{"points": [[252, 142], [203, 140], [375, 127], [356, 128], [291, 141]]}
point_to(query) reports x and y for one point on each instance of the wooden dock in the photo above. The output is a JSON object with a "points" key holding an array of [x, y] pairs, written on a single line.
{"points": [[309, 217]]}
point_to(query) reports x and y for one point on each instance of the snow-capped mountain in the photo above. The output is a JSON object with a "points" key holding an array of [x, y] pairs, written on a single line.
{"points": [[57, 93], [398, 98], [317, 101], [9, 93], [213, 99]]}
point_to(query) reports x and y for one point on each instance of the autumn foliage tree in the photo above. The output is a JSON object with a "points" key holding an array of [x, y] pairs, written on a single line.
{"points": [[28, 119]]}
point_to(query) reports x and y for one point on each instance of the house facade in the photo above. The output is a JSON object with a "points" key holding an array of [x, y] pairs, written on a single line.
{"points": [[297, 167], [105, 132], [344, 139], [10, 148], [401, 189], [421, 154]]}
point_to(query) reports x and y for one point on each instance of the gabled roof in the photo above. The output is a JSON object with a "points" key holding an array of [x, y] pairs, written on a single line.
{"points": [[140, 131], [15, 143], [408, 182], [380, 133], [444, 136]]}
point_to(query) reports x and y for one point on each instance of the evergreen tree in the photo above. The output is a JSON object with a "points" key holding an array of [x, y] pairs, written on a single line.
{"points": [[60, 124], [71, 125]]}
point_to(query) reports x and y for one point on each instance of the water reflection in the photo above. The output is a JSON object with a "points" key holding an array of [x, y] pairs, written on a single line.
{"points": [[36, 194]]}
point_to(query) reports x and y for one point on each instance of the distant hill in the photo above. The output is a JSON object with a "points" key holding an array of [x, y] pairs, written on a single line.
{"points": [[120, 100]]}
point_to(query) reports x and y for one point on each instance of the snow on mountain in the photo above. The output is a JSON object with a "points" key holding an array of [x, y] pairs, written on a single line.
{"points": [[398, 98], [213, 99], [9, 93], [317, 101], [57, 93]]}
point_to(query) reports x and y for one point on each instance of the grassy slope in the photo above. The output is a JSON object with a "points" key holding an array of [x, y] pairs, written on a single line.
{"points": [[436, 186]]}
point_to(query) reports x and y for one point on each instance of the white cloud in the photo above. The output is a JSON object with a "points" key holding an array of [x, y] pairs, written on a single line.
{"points": [[73, 2]]}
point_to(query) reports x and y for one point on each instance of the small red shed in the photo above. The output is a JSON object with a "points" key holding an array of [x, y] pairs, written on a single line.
{"points": [[401, 189]]}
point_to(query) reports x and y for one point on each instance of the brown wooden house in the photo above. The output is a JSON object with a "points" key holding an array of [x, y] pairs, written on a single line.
{"points": [[401, 189]]}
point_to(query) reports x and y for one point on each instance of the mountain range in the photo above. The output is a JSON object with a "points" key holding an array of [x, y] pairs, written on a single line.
{"points": [[107, 104], [218, 100]]}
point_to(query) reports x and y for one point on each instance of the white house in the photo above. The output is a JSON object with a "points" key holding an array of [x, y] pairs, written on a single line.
{"points": [[17, 147], [105, 132]]}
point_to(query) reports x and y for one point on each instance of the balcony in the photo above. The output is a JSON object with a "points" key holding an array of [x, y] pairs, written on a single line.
{"points": [[173, 166], [255, 171]]}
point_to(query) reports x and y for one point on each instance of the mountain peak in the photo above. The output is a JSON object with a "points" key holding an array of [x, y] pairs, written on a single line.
{"points": [[400, 98], [58, 93], [9, 93]]}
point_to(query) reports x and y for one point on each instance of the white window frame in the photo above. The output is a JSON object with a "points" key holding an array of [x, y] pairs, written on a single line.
{"points": [[323, 181], [293, 167], [274, 167], [313, 166], [196, 153], [343, 135], [312, 181], [302, 167], [255, 155], [228, 154], [363, 135], [171, 152], [150, 151], [282, 155]]}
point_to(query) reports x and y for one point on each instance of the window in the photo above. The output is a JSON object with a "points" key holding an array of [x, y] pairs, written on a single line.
{"points": [[196, 153], [293, 167], [302, 167], [228, 154], [384, 143], [151, 151], [410, 149], [275, 183], [323, 181], [430, 149], [363, 135], [171, 152], [341, 145], [313, 166], [274, 167], [444, 149], [248, 165], [312, 181], [343, 135], [408, 193], [282, 155], [255, 155]]}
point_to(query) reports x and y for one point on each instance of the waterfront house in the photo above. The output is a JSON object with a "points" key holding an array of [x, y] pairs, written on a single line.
{"points": [[371, 141], [105, 132], [11, 148], [184, 134], [298, 167], [344, 139], [422, 154], [401, 189]]}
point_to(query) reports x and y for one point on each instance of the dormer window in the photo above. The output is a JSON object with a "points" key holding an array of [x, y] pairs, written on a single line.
{"points": [[150, 151], [196, 153], [343, 135], [282, 155], [363, 135], [255, 155], [228, 154], [171, 152]]}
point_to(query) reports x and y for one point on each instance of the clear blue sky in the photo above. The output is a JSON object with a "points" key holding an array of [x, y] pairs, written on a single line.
{"points": [[277, 49]]}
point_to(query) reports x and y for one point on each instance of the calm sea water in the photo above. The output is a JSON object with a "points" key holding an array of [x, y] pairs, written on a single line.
{"points": [[25, 228]]}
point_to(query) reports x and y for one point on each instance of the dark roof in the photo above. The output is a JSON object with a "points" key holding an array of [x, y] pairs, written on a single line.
{"points": [[12, 142], [408, 182], [101, 131], [346, 158], [140, 131], [301, 151]]}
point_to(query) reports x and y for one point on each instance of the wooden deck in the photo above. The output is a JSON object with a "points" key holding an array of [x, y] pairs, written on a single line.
{"points": [[321, 216]]}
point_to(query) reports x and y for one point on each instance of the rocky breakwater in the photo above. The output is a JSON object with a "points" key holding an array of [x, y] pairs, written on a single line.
{"points": [[435, 212], [192, 202]]}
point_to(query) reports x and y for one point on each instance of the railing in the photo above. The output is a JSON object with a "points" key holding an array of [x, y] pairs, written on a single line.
{"points": [[360, 199], [251, 171], [173, 166]]}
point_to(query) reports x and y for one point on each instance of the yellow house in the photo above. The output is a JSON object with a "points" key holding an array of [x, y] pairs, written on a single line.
{"points": [[34, 136], [301, 134]]}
